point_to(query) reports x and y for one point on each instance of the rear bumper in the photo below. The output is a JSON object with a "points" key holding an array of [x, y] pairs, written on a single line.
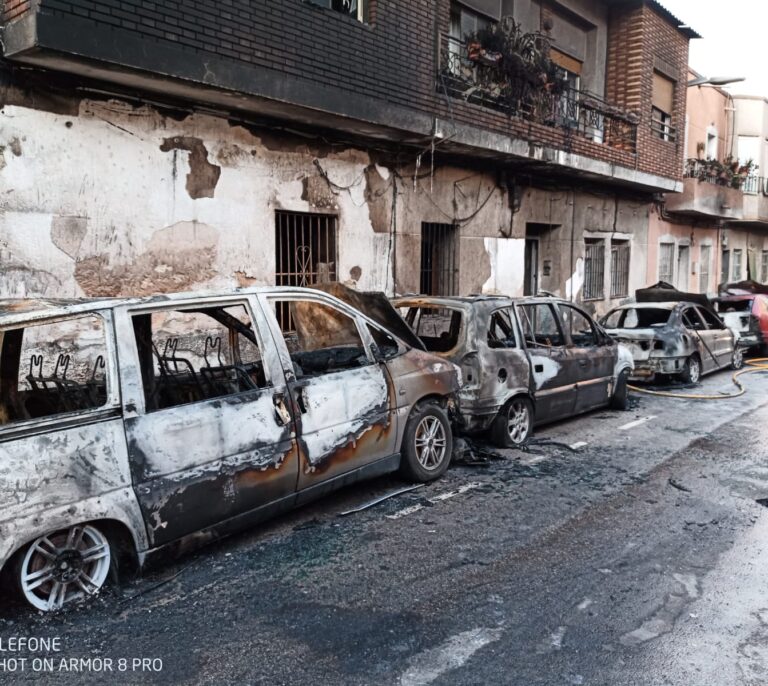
{"points": [[646, 369]]}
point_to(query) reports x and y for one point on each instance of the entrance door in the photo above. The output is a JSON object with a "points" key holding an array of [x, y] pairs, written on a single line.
{"points": [[531, 285], [342, 395], [209, 434], [553, 367]]}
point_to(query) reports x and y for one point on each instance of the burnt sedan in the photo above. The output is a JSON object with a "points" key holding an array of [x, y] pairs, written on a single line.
{"points": [[524, 361], [132, 427], [674, 339]]}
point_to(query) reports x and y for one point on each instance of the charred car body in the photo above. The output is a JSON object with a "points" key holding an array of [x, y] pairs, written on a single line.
{"points": [[743, 307], [131, 427], [683, 339], [524, 361]]}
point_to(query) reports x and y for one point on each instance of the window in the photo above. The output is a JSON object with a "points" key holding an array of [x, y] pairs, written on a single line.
{"points": [[619, 269], [578, 326], [737, 264], [662, 107], [667, 262], [53, 368], [385, 344], [764, 267], [438, 328], [711, 319], [439, 259], [353, 8], [594, 269], [465, 22], [305, 246], [541, 328], [683, 267], [704, 267], [192, 355], [325, 340], [725, 266], [501, 332], [692, 320], [636, 318]]}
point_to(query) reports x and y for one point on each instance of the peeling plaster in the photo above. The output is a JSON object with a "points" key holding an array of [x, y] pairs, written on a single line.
{"points": [[203, 176]]}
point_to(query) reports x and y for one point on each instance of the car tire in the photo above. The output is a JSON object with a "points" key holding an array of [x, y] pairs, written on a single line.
{"points": [[513, 426], [692, 370], [427, 443], [737, 359], [620, 397], [64, 567]]}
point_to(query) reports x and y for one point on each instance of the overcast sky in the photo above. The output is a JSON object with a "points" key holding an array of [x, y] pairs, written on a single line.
{"points": [[735, 37]]}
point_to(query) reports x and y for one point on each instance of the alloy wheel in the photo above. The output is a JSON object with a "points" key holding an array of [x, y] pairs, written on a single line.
{"points": [[518, 421], [65, 566], [431, 442]]}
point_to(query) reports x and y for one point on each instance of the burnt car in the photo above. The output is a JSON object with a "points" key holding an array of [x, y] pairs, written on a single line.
{"points": [[674, 339], [135, 427], [743, 306], [524, 361]]}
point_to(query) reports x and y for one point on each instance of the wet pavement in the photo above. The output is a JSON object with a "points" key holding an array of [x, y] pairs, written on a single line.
{"points": [[621, 548]]}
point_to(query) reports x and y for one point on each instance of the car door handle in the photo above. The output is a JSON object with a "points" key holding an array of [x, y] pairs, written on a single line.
{"points": [[282, 416], [300, 400]]}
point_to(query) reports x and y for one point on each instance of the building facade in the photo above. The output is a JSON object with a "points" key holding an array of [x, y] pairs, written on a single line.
{"points": [[152, 147]]}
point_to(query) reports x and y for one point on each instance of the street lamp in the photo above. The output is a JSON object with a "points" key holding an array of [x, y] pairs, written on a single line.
{"points": [[714, 80]]}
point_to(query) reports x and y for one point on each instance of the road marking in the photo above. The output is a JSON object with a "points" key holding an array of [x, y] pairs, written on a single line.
{"points": [[529, 461], [580, 444], [451, 654], [637, 422], [435, 499]]}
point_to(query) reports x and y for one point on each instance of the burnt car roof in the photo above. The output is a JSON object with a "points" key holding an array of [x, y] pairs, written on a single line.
{"points": [[670, 305]]}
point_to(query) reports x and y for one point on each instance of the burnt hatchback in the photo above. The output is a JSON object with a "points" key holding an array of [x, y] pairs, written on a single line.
{"points": [[133, 427], [524, 361]]}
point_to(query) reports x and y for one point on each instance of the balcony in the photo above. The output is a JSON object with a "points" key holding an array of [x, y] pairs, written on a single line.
{"points": [[755, 200], [476, 80], [708, 191]]}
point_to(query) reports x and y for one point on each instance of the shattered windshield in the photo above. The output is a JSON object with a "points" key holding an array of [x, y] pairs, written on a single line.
{"points": [[636, 318], [437, 327]]}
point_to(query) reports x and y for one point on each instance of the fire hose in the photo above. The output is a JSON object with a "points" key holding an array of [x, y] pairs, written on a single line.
{"points": [[758, 364]]}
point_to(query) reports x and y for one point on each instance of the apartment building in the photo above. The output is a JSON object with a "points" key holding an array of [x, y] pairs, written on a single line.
{"points": [[149, 147]]}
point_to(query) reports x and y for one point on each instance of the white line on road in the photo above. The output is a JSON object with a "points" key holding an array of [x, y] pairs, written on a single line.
{"points": [[528, 461], [579, 444], [452, 654], [637, 422], [435, 499]]}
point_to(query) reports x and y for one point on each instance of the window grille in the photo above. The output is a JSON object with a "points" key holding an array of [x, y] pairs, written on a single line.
{"points": [[619, 269], [667, 262], [439, 259], [594, 269]]}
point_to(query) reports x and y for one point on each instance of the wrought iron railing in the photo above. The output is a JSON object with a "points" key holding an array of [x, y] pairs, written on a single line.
{"points": [[577, 112], [707, 172]]}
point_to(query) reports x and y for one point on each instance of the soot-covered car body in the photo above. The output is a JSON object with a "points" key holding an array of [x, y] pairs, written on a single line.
{"points": [[667, 339], [747, 314], [136, 426], [540, 357]]}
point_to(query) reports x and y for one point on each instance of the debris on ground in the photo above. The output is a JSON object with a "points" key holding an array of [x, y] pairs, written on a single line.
{"points": [[678, 486], [380, 499]]}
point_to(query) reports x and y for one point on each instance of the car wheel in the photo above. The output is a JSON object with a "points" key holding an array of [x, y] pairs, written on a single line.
{"points": [[692, 371], [737, 360], [513, 426], [427, 444], [620, 397], [64, 567]]}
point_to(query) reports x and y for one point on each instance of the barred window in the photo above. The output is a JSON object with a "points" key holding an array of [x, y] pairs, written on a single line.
{"points": [[594, 268], [667, 262], [619, 269], [439, 259]]}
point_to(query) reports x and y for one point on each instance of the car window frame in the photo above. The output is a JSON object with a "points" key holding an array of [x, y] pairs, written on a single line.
{"points": [[558, 323], [139, 406], [595, 332], [693, 309], [703, 314], [111, 406], [514, 329]]}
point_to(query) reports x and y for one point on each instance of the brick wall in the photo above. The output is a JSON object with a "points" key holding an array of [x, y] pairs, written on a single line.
{"points": [[393, 58], [639, 39], [13, 9]]}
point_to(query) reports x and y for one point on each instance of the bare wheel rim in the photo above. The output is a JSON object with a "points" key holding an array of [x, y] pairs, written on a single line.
{"points": [[518, 421], [695, 370], [430, 442], [64, 567], [738, 358]]}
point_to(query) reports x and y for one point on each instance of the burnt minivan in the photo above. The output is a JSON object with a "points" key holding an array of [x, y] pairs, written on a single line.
{"points": [[130, 427], [524, 361]]}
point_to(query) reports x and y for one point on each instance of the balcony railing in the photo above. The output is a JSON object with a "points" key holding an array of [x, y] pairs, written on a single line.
{"points": [[706, 172], [577, 112]]}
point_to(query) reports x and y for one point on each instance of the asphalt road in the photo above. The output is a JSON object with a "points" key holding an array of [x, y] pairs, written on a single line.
{"points": [[636, 558]]}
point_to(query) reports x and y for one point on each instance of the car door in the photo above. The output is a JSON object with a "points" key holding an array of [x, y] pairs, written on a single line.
{"points": [[553, 367], [704, 340], [343, 396], [594, 363], [506, 368], [723, 338], [210, 434]]}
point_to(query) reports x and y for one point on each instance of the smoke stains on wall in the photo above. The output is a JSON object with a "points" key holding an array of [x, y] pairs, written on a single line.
{"points": [[203, 176]]}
